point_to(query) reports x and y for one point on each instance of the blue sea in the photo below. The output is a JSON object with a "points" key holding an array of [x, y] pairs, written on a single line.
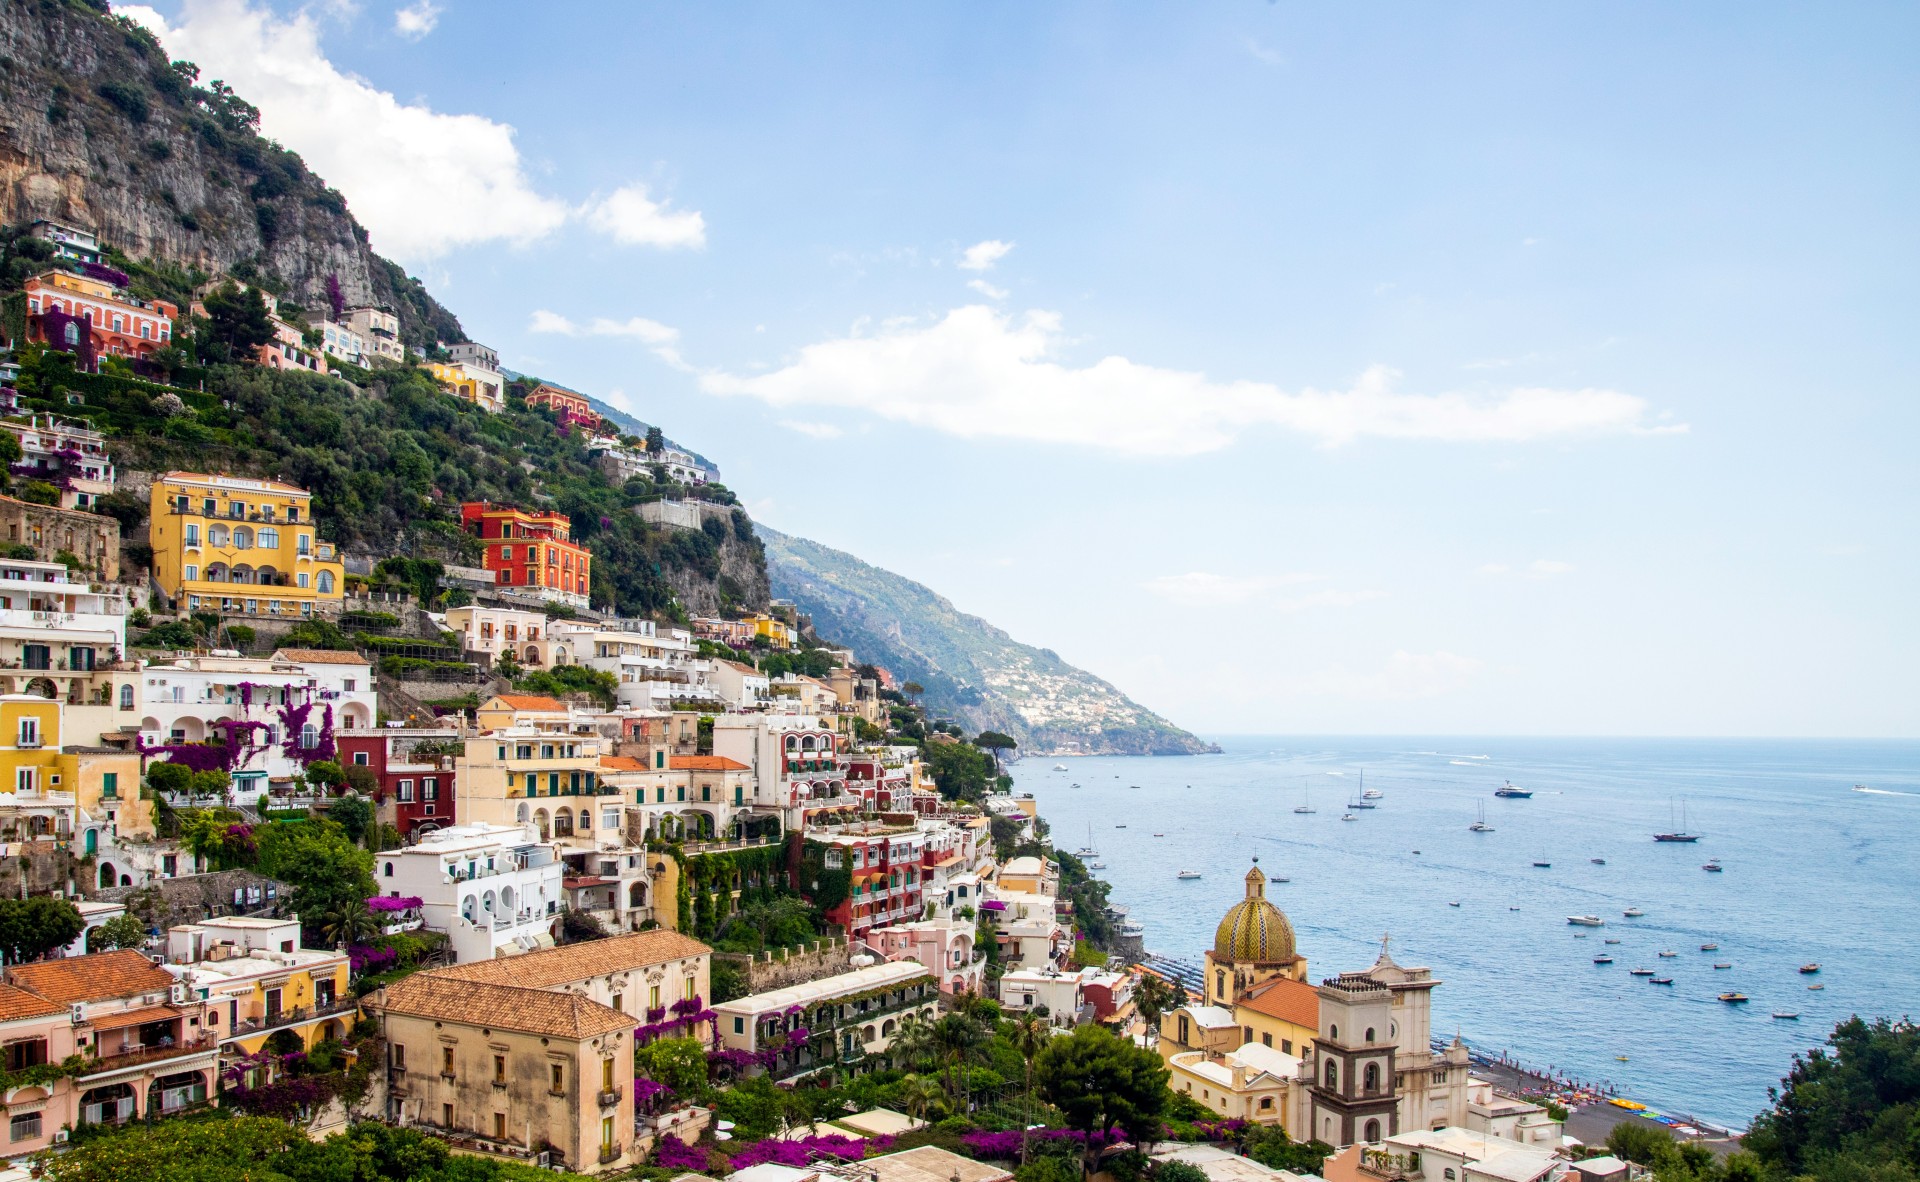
{"points": [[1814, 871]]}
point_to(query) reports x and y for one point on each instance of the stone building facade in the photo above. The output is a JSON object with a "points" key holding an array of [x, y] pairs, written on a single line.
{"points": [[92, 538]]}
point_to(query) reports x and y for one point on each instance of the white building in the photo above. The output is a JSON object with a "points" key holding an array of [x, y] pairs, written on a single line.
{"points": [[861, 1010], [495, 890], [1028, 991], [65, 638], [481, 365], [741, 686], [495, 631], [341, 341], [1498, 1114], [282, 712], [70, 456], [1447, 1154], [797, 768]]}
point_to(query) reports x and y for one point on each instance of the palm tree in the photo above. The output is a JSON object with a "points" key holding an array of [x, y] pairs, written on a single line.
{"points": [[1028, 1034], [349, 922], [1155, 997], [956, 1041], [919, 1095]]}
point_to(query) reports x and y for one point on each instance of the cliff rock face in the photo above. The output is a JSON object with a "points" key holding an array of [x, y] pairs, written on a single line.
{"points": [[972, 671], [99, 130]]}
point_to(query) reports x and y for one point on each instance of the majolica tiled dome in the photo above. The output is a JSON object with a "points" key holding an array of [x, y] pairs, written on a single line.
{"points": [[1254, 930]]}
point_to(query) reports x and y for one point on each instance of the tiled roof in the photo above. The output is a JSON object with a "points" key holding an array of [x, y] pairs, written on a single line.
{"points": [[321, 656], [531, 702], [1288, 1000], [18, 1003], [623, 763], [705, 763], [533, 1011], [95, 977], [551, 967]]}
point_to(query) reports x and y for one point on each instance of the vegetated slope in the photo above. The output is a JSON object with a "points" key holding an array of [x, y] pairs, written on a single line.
{"points": [[99, 129], [972, 671]]}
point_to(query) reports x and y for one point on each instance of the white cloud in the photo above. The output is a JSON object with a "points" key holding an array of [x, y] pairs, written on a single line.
{"points": [[661, 339], [813, 430], [421, 181], [987, 289], [1539, 568], [1203, 589], [978, 372], [1405, 675], [631, 218], [1261, 53], [416, 20], [981, 256]]}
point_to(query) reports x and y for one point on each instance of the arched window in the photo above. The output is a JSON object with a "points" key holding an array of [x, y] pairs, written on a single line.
{"points": [[309, 735], [126, 697], [324, 584], [217, 535], [1333, 1032], [1372, 1080], [520, 814], [1220, 985], [389, 870], [1333, 1074], [586, 819], [1373, 1131], [1369, 1034], [243, 538], [1447, 1174]]}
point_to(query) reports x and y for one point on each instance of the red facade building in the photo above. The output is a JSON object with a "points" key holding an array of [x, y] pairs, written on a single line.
{"points": [[414, 768], [531, 551]]}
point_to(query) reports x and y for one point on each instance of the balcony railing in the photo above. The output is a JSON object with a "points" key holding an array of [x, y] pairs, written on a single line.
{"points": [[152, 1054], [294, 1016]]}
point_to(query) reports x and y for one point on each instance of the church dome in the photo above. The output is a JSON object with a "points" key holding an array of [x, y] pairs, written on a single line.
{"points": [[1254, 930]]}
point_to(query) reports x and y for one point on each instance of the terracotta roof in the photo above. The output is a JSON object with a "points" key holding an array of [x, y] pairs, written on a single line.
{"points": [[139, 1017], [531, 702], [94, 977], [552, 967], [705, 763], [623, 763], [1288, 1000], [533, 1011], [321, 656], [18, 1003]]}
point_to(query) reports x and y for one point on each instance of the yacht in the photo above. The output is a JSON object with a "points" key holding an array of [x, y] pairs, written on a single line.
{"points": [[1184, 874], [1364, 801], [1087, 850], [1306, 797], [1542, 863], [1680, 833], [1633, 913], [1507, 791], [1587, 921], [1480, 825], [1371, 794]]}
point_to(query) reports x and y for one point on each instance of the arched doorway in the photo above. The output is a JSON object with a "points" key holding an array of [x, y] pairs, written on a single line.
{"points": [[541, 822], [107, 1105], [108, 875]]}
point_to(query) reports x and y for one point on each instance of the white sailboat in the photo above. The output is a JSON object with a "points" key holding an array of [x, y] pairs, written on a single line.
{"points": [[1480, 824], [1087, 850], [1306, 796]]}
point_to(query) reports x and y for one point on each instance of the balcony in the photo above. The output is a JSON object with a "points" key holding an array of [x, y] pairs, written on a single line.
{"points": [[609, 1153], [150, 1054], [294, 1017]]}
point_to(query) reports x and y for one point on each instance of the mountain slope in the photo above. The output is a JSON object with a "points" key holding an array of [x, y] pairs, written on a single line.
{"points": [[972, 671], [100, 130]]}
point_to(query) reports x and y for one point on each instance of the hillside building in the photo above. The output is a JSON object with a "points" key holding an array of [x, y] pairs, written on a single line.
{"points": [[531, 550], [70, 456], [241, 546], [92, 318]]}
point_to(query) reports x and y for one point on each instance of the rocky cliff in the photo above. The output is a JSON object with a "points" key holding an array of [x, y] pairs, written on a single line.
{"points": [[972, 671], [100, 130]]}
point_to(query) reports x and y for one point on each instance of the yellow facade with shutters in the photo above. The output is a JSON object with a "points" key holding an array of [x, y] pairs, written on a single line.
{"points": [[72, 794], [240, 546]]}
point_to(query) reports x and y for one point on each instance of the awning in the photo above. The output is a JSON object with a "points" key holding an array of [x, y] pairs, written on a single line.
{"points": [[138, 1017]]}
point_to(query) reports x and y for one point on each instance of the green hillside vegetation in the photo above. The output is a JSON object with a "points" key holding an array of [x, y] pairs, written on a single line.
{"points": [[968, 669]]}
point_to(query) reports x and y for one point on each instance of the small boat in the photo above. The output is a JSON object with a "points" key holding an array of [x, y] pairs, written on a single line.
{"points": [[1096, 865], [1669, 954], [1580, 935], [1302, 809], [1680, 833], [1372, 794], [1453, 904], [1073, 785], [1809, 968], [1587, 921], [1059, 767], [1121, 825], [1508, 792], [1725, 964], [1159, 835], [1598, 861], [1709, 947], [1279, 878], [1640, 972], [1660, 981], [1086, 851], [1786, 1015], [1348, 817], [1542, 864], [1513, 909], [1603, 958], [1734, 999], [1816, 985], [1713, 867], [1612, 941], [1633, 913], [1184, 874], [1623, 1058]]}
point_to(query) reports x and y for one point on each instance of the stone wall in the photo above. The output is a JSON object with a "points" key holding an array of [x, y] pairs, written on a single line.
{"points": [[790, 966], [95, 539], [169, 901], [37, 868]]}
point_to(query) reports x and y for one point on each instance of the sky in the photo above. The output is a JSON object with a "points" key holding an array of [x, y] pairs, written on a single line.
{"points": [[1418, 369]]}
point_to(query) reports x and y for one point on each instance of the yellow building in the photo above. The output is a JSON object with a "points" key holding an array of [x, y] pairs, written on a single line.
{"points": [[483, 388], [240, 546], [522, 776], [258, 981], [85, 795]]}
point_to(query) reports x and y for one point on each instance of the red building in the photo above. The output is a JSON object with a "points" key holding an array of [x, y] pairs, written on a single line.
{"points": [[534, 551], [569, 406], [415, 771], [91, 317]]}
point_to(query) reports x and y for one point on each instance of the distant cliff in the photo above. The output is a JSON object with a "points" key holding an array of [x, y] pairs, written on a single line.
{"points": [[100, 130], [973, 672]]}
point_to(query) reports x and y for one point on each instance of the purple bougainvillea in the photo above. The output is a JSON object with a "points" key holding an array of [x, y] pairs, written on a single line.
{"points": [[336, 299], [389, 903], [106, 274], [1005, 1145], [804, 1151], [294, 718], [675, 1154]]}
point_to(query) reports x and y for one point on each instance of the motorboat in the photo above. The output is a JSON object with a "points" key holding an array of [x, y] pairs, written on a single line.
{"points": [[1159, 835], [1598, 861], [1453, 904], [1669, 954], [1725, 964], [1786, 1016], [1734, 999], [1612, 941], [1709, 947], [1372, 794], [1348, 817], [1185, 874], [1633, 913], [1587, 921], [1640, 972], [1279, 878], [1059, 767], [1713, 867], [1580, 935], [1603, 958], [1816, 986], [1507, 791], [1121, 825], [1660, 981], [1809, 968], [1096, 865], [1678, 833]]}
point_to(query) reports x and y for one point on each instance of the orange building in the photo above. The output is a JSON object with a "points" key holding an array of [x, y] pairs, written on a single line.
{"points": [[88, 317], [533, 551], [569, 406]]}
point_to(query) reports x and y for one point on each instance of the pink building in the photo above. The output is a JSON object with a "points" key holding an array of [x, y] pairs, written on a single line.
{"points": [[943, 946], [148, 1042]]}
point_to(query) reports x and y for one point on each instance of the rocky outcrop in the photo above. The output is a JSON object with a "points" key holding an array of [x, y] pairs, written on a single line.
{"points": [[99, 130]]}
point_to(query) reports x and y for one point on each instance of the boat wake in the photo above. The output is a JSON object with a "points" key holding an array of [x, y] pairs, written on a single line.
{"points": [[1881, 791]]}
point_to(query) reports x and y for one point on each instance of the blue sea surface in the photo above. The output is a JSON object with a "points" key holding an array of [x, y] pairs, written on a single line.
{"points": [[1815, 871]]}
